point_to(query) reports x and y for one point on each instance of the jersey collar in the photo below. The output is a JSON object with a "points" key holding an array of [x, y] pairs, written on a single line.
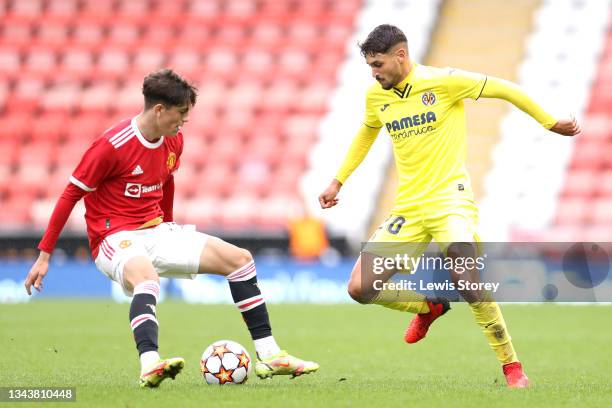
{"points": [[402, 85], [142, 139]]}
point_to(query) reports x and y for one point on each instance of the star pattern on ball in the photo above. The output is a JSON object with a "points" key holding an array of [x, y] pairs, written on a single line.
{"points": [[224, 376], [243, 360], [203, 367], [220, 350]]}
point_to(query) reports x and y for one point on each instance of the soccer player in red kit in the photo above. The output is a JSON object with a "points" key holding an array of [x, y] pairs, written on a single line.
{"points": [[127, 179]]}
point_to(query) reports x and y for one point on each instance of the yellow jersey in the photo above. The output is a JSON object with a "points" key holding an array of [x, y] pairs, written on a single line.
{"points": [[425, 119]]}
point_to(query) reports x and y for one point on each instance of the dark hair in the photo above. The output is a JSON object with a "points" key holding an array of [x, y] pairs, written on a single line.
{"points": [[381, 39], [168, 88]]}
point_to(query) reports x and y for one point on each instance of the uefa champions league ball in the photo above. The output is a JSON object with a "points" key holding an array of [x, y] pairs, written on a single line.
{"points": [[225, 362]]}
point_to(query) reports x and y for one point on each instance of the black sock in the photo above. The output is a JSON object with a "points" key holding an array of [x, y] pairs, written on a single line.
{"points": [[142, 316], [248, 299]]}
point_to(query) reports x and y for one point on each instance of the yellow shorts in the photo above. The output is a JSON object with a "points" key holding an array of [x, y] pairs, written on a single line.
{"points": [[444, 223]]}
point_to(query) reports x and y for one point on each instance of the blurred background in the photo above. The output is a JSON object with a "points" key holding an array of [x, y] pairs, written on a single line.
{"points": [[281, 94]]}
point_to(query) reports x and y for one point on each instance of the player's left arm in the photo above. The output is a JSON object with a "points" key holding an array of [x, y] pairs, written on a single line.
{"points": [[508, 91], [167, 202]]}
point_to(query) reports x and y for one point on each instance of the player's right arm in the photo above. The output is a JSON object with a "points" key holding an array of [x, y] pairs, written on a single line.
{"points": [[363, 141], [97, 163], [71, 195], [357, 152]]}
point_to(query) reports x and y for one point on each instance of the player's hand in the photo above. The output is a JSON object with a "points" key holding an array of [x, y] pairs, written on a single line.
{"points": [[566, 127], [328, 199], [37, 272]]}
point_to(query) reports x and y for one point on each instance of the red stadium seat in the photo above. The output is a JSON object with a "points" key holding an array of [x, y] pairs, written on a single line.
{"points": [[15, 127], [52, 33], [186, 61], [581, 183], [73, 68], [239, 212], [40, 61], [98, 98], [597, 126], [62, 98], [162, 36], [77, 62], [601, 212], [61, 10], [147, 60], [588, 155], [603, 186], [203, 210], [572, 211], [10, 60], [30, 179], [187, 180], [87, 34], [84, 128], [9, 150], [26, 96], [15, 212], [215, 181], [50, 127], [27, 8]]}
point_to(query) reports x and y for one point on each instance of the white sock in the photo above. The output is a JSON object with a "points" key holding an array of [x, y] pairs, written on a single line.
{"points": [[266, 347], [147, 359]]}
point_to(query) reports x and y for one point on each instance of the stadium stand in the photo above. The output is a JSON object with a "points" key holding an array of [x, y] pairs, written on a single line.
{"points": [[545, 187], [265, 69]]}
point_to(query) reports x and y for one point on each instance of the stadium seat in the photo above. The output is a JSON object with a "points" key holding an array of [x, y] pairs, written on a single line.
{"points": [[74, 67], [61, 10], [77, 62], [10, 60], [581, 183], [49, 127], [601, 212], [52, 33], [27, 8], [62, 98], [87, 34], [572, 211]]}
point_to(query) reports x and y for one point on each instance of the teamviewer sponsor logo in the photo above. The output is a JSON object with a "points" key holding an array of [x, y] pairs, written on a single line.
{"points": [[133, 190]]}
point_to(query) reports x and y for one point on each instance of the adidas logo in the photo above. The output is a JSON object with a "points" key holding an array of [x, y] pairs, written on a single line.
{"points": [[137, 170]]}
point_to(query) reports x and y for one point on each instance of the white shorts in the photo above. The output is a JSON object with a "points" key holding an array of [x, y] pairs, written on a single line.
{"points": [[173, 249]]}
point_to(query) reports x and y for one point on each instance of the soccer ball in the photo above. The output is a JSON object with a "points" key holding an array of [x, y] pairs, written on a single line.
{"points": [[225, 362]]}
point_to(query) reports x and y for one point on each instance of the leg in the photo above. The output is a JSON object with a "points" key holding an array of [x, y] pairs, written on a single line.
{"points": [[361, 288], [458, 239], [130, 266], [398, 235], [237, 265]]}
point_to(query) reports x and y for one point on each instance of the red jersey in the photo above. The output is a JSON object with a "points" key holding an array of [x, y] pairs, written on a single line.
{"points": [[124, 175]]}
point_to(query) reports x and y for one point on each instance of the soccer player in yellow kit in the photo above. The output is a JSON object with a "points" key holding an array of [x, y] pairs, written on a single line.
{"points": [[422, 110]]}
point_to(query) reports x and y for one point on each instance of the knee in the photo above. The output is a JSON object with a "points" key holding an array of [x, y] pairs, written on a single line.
{"points": [[242, 257], [355, 292], [138, 270]]}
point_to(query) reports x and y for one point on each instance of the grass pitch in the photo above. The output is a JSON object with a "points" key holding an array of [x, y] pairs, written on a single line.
{"points": [[566, 350]]}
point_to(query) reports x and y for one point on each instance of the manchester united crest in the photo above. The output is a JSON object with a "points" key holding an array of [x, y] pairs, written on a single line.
{"points": [[428, 98], [171, 160]]}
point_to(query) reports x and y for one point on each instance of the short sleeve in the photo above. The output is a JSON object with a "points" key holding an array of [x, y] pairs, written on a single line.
{"points": [[95, 166], [371, 118], [464, 84]]}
